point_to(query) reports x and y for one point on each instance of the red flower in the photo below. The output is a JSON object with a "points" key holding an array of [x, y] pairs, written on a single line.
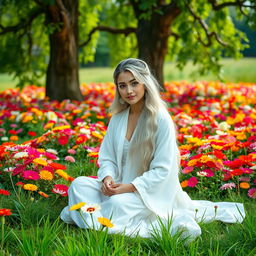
{"points": [[4, 192], [31, 133], [60, 189], [237, 172], [57, 166], [63, 140], [5, 212], [19, 183], [219, 154], [13, 132]]}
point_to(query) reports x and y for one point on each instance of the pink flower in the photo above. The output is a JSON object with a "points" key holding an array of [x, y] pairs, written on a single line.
{"points": [[192, 182], [72, 151], [60, 189], [187, 170], [70, 159], [30, 175], [252, 193], [230, 185]]}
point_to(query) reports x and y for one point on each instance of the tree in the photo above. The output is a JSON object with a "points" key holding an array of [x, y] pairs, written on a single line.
{"points": [[182, 30], [30, 31]]}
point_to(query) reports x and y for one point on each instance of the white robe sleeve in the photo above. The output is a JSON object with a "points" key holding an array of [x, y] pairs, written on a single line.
{"points": [[107, 156], [159, 184]]}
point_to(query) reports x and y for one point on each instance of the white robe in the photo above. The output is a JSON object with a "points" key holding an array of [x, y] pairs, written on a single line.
{"points": [[159, 193]]}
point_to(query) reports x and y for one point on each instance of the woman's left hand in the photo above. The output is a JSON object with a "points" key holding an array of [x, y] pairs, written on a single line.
{"points": [[122, 188]]}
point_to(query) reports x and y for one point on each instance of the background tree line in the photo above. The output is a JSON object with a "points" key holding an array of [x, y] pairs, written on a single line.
{"points": [[56, 36]]}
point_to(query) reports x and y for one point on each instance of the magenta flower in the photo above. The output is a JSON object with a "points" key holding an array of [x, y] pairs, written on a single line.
{"points": [[192, 182], [30, 175], [70, 159], [252, 193]]}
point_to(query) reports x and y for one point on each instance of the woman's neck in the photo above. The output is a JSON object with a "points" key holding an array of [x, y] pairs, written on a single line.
{"points": [[136, 109]]}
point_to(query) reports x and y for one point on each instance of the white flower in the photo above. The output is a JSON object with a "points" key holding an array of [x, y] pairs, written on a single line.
{"points": [[8, 169], [224, 126], [202, 174], [4, 139], [219, 132], [20, 155], [51, 150], [52, 116], [90, 208], [85, 131]]}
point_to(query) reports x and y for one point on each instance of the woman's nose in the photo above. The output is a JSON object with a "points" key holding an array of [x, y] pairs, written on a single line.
{"points": [[129, 89]]}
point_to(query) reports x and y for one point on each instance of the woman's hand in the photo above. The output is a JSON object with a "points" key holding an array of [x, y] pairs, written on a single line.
{"points": [[107, 183], [116, 189]]}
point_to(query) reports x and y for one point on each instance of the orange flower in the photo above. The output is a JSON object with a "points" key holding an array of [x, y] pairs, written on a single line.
{"points": [[45, 175], [244, 185], [14, 138], [43, 194], [184, 183], [57, 166]]}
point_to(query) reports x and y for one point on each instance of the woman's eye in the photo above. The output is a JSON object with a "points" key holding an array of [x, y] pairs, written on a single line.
{"points": [[134, 83], [121, 86]]}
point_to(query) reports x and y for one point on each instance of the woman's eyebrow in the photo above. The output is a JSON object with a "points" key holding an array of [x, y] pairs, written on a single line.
{"points": [[128, 81]]}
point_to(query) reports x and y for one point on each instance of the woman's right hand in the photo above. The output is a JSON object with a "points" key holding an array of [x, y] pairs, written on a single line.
{"points": [[107, 183]]}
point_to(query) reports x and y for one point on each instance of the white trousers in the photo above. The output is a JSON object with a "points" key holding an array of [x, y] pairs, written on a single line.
{"points": [[130, 216]]}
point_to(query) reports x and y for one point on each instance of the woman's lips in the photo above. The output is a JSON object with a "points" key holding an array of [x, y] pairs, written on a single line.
{"points": [[131, 97]]}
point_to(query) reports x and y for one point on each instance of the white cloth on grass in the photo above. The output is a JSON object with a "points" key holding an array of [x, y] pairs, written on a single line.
{"points": [[159, 194]]}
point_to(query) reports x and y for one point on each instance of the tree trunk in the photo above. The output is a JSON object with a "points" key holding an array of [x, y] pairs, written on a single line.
{"points": [[62, 81], [152, 36]]}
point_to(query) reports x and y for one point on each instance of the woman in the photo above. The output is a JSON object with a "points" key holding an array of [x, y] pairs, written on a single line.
{"points": [[138, 176]]}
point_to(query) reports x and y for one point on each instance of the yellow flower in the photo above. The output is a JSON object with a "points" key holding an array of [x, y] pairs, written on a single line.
{"points": [[27, 118], [205, 159], [192, 162], [77, 206], [60, 128], [30, 187], [62, 174], [218, 147], [241, 136], [97, 135], [40, 161], [105, 222], [45, 175], [185, 147], [48, 126]]}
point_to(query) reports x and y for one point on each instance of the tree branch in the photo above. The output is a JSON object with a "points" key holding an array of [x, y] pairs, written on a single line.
{"points": [[24, 23], [239, 3], [206, 30], [125, 31]]}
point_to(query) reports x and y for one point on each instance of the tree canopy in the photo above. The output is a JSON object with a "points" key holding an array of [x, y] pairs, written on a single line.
{"points": [[54, 36]]}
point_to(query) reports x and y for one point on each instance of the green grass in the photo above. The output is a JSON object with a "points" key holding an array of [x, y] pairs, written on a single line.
{"points": [[35, 229], [233, 71]]}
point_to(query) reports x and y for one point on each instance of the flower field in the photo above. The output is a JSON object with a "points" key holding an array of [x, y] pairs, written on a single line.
{"points": [[46, 144]]}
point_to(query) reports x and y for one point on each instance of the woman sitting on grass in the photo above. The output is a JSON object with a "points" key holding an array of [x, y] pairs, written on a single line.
{"points": [[138, 181]]}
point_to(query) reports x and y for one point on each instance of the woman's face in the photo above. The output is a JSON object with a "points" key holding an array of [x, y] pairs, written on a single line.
{"points": [[131, 90]]}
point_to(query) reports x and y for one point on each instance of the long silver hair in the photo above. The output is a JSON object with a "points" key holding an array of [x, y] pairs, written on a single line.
{"points": [[147, 124]]}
